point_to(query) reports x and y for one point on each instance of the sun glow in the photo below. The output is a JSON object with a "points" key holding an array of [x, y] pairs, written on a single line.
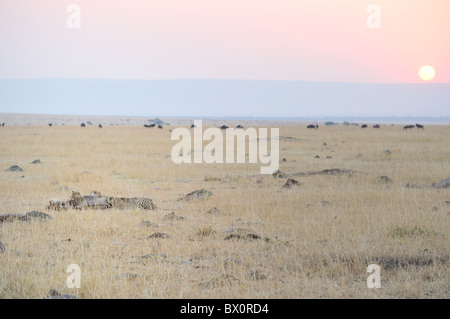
{"points": [[427, 73]]}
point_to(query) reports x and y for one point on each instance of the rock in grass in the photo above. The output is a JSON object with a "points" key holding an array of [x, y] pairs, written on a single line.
{"points": [[54, 294], [65, 296], [148, 224], [445, 183], [198, 194], [173, 216], [216, 211], [385, 179], [256, 275], [126, 276], [37, 215], [291, 182], [12, 217], [28, 216], [279, 174], [159, 235], [248, 236], [14, 168]]}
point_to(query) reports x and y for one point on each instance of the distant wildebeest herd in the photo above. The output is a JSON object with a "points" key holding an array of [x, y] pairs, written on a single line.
{"points": [[406, 127], [224, 127], [152, 125], [375, 126]]}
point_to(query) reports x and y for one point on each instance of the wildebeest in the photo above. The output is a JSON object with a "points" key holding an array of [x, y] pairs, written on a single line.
{"points": [[376, 126], [100, 126], [160, 126], [223, 127], [3, 124], [239, 126], [313, 126], [364, 126], [192, 126], [406, 127], [83, 125], [419, 126], [50, 124]]}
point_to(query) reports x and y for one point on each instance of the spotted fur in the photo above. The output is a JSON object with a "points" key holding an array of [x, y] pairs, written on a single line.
{"points": [[57, 205], [130, 203]]}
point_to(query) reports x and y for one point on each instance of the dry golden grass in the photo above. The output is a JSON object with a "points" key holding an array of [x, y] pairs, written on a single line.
{"points": [[316, 239]]}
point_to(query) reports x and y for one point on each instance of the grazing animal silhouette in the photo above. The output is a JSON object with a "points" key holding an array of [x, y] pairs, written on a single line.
{"points": [[192, 126], [239, 126], [312, 126], [406, 127], [100, 126], [50, 124], [223, 127], [3, 124], [83, 125], [376, 126], [364, 126], [419, 126], [160, 126]]}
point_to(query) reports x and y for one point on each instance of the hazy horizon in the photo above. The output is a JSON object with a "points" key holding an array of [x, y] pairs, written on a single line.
{"points": [[222, 98], [338, 120]]}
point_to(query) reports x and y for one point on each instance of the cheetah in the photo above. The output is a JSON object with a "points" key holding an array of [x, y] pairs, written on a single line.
{"points": [[96, 200], [76, 200], [128, 203], [57, 205]]}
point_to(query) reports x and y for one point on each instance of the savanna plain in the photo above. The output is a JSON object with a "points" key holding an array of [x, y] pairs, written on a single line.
{"points": [[364, 196]]}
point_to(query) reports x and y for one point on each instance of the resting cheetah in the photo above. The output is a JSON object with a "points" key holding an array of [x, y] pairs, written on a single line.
{"points": [[76, 200], [133, 202], [96, 194], [94, 200]]}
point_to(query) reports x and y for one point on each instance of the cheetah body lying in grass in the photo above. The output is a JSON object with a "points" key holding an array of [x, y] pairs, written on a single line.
{"points": [[95, 200]]}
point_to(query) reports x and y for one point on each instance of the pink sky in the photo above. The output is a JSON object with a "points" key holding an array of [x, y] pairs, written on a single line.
{"points": [[308, 40]]}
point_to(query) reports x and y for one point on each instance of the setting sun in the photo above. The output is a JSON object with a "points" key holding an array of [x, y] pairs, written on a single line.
{"points": [[427, 73]]}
